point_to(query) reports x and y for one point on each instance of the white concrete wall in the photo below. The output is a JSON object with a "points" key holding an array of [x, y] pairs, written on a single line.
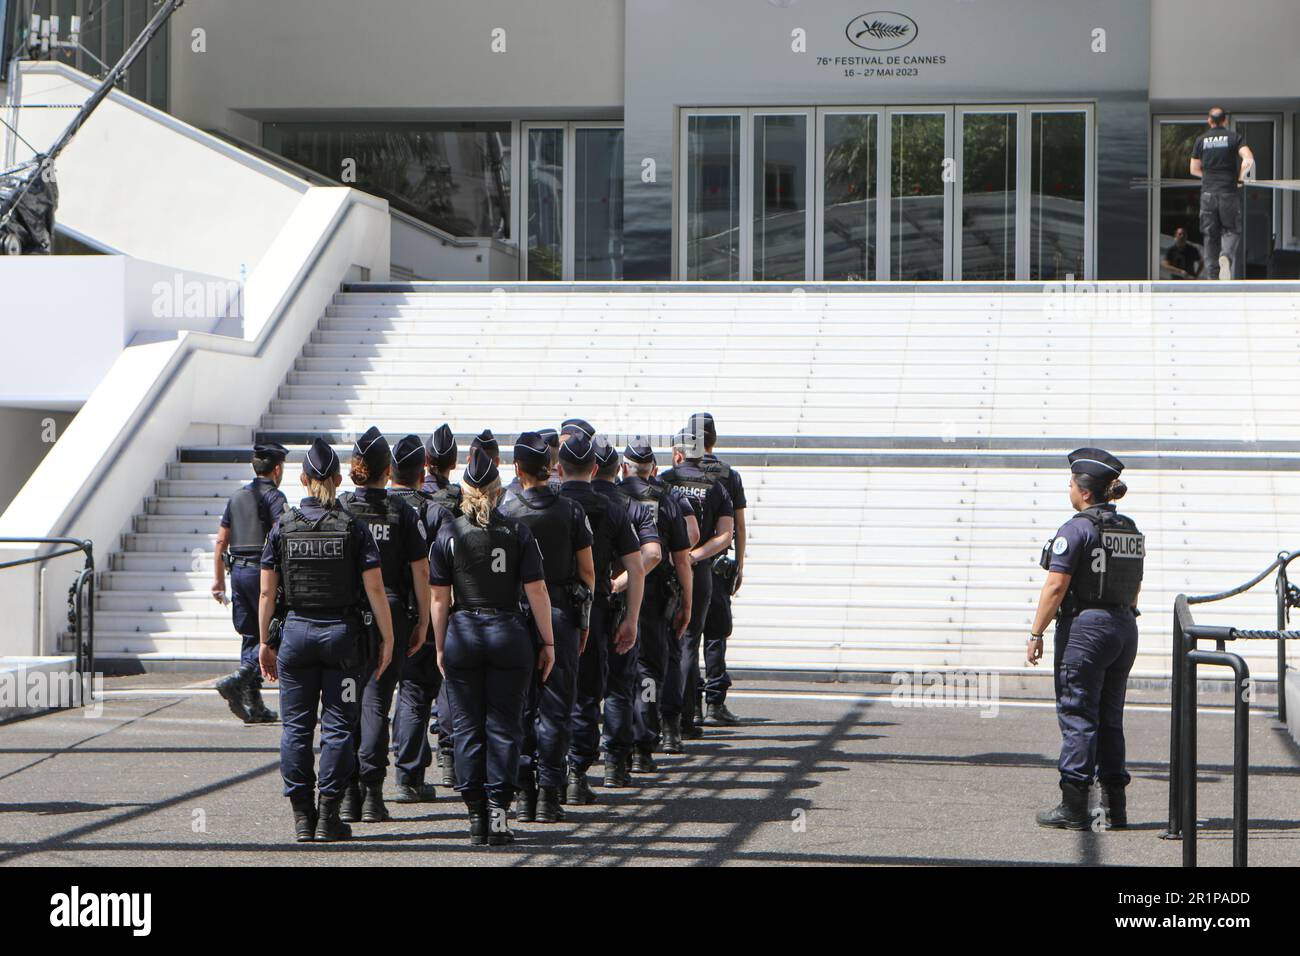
{"points": [[151, 187], [27, 435], [425, 255], [1205, 49]]}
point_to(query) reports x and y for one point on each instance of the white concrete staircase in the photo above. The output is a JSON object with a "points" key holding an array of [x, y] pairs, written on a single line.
{"points": [[903, 453]]}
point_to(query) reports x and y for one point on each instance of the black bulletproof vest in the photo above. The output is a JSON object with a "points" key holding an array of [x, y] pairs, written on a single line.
{"points": [[715, 469], [602, 550], [418, 500], [1111, 574], [551, 523], [650, 498], [449, 498], [248, 529], [319, 564], [384, 524], [696, 488], [486, 565]]}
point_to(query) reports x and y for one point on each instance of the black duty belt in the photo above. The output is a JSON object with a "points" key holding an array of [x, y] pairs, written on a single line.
{"points": [[484, 611], [245, 562]]}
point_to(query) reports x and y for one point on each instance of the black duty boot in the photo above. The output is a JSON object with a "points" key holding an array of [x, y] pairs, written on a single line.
{"points": [[691, 730], [548, 806], [329, 827], [719, 714], [231, 690], [415, 793], [1115, 803], [304, 818], [478, 822], [616, 772], [499, 833], [526, 803], [1072, 813], [643, 761], [372, 804], [580, 792], [672, 742], [258, 712], [350, 805], [447, 764]]}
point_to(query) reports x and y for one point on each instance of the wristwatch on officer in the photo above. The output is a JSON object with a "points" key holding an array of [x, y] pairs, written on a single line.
{"points": [[1035, 637]]}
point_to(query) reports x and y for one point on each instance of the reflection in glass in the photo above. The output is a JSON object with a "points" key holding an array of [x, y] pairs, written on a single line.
{"points": [[598, 217], [780, 198], [1058, 196], [916, 225], [1180, 205], [713, 197], [849, 215], [455, 176], [1258, 204], [545, 248], [988, 215]]}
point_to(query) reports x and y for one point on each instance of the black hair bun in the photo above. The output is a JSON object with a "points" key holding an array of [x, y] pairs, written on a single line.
{"points": [[1116, 491]]}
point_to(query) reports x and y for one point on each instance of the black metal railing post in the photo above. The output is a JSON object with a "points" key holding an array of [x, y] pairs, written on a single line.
{"points": [[1175, 723], [1240, 750]]}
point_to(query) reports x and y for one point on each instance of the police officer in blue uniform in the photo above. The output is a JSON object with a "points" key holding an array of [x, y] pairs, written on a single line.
{"points": [[485, 647], [403, 548], [713, 510], [666, 607], [614, 540], [728, 573], [421, 680], [327, 562], [441, 454], [248, 518], [1094, 567], [560, 528]]}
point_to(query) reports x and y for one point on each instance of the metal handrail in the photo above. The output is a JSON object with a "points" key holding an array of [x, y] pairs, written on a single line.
{"points": [[81, 599]]}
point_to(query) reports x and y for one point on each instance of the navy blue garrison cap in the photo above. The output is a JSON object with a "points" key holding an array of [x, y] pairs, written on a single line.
{"points": [[1095, 462], [487, 441], [441, 447], [322, 461], [270, 451], [572, 426], [640, 451], [576, 449], [373, 447], [531, 451], [407, 448], [606, 454], [550, 436], [480, 471]]}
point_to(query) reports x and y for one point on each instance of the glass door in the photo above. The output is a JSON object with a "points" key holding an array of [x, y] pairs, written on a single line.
{"points": [[918, 240], [1178, 248], [1261, 208], [1060, 212], [848, 220], [987, 246], [711, 207], [598, 203], [544, 204], [782, 191]]}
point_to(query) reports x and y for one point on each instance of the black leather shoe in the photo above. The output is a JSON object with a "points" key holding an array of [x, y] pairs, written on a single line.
{"points": [[304, 819], [643, 761], [1115, 804], [499, 832], [526, 805], [580, 792], [719, 714], [447, 764], [478, 822], [1072, 813], [672, 742], [329, 826], [616, 773], [350, 805], [372, 804], [231, 690], [548, 806], [415, 793]]}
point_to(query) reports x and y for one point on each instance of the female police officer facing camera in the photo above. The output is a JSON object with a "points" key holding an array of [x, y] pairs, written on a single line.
{"points": [[1094, 567], [486, 651], [326, 560]]}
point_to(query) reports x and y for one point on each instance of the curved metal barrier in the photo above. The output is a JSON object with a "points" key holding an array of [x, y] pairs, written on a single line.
{"points": [[1187, 656], [81, 599]]}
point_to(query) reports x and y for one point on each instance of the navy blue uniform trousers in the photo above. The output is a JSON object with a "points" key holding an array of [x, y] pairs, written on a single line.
{"points": [[1094, 652], [682, 689], [548, 707], [317, 660], [489, 660], [421, 682], [371, 730], [245, 593], [584, 724], [717, 629], [620, 698]]}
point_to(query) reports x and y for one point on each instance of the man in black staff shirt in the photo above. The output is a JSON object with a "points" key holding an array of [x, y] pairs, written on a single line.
{"points": [[1182, 259], [1221, 160]]}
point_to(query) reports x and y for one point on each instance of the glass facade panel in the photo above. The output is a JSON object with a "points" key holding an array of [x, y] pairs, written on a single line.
{"points": [[1058, 196], [917, 226], [988, 214], [1179, 205], [598, 213], [713, 197], [455, 176], [849, 213], [545, 245], [1258, 227], [780, 198]]}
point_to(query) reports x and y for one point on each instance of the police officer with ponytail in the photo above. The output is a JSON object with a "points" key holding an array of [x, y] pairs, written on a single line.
{"points": [[563, 534], [327, 563], [1094, 575], [248, 518], [440, 455], [478, 566], [403, 549]]}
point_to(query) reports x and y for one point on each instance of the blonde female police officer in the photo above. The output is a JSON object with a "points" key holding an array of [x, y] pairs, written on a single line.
{"points": [[326, 560], [1094, 567], [485, 647]]}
